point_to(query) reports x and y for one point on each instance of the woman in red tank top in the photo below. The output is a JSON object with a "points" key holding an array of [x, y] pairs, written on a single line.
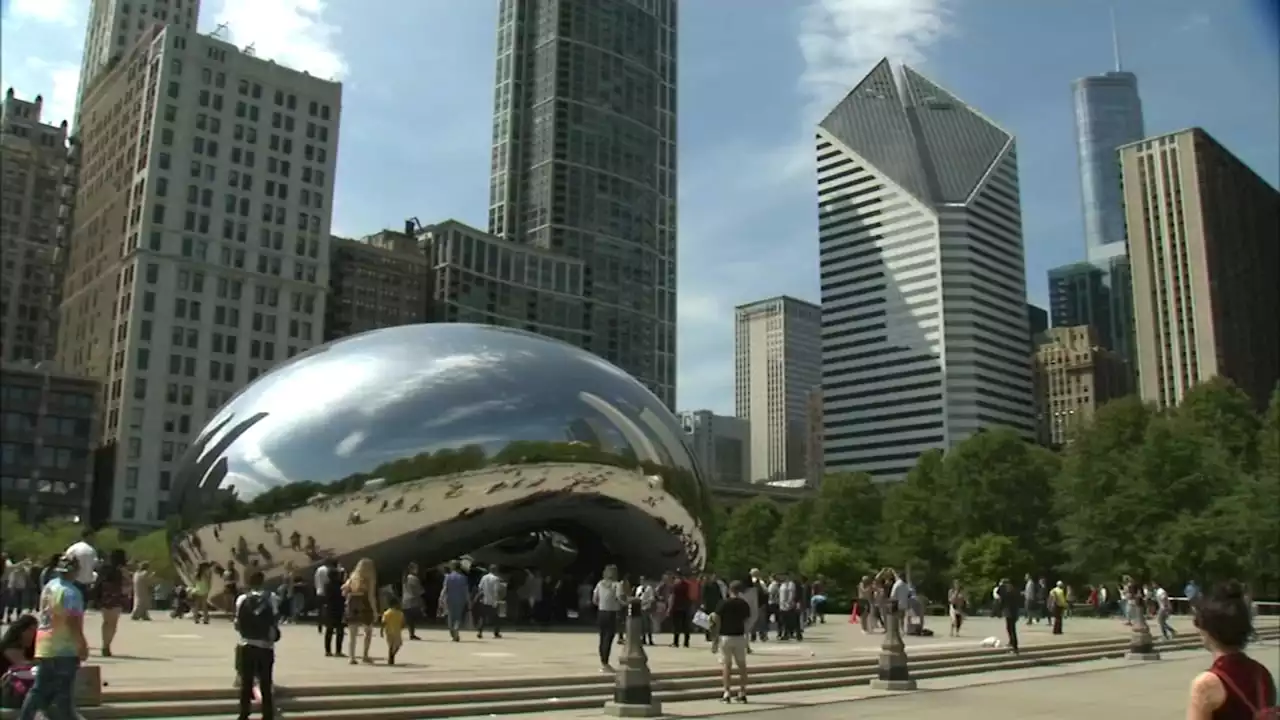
{"points": [[1235, 687]]}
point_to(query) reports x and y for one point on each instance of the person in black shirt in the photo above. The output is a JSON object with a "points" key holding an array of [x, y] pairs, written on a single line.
{"points": [[732, 617], [1007, 605]]}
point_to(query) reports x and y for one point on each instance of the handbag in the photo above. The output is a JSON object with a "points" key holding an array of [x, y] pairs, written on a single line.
{"points": [[702, 620]]}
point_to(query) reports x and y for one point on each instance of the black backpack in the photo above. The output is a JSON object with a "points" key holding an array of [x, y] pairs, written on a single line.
{"points": [[256, 618]]}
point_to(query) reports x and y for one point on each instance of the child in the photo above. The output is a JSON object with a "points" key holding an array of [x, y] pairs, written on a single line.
{"points": [[393, 628]]}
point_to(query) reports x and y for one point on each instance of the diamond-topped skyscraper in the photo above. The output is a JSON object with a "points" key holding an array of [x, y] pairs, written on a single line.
{"points": [[584, 164], [924, 316]]}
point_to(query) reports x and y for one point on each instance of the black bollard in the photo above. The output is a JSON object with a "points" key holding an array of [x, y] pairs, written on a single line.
{"points": [[633, 691], [893, 673], [1141, 645]]}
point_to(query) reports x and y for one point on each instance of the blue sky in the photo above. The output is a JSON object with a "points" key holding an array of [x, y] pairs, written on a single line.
{"points": [[755, 76]]}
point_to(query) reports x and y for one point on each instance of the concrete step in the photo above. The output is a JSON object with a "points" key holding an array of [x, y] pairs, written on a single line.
{"points": [[530, 695]]}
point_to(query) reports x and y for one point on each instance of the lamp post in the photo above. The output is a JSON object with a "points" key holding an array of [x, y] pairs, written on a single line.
{"points": [[893, 673], [633, 690]]}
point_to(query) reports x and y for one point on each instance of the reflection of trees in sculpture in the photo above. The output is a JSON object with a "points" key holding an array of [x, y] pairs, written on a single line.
{"points": [[678, 482]]}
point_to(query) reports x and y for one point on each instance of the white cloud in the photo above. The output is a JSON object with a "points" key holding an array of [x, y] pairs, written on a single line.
{"points": [[290, 32], [842, 39], [55, 82], [63, 12]]}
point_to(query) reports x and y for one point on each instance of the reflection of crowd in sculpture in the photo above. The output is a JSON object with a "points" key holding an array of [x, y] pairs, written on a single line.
{"points": [[254, 552]]}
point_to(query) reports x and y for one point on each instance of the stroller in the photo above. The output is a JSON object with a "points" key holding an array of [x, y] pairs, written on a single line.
{"points": [[181, 604]]}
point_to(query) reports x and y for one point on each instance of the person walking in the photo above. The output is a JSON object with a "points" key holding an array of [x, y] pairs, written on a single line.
{"points": [[60, 646], [1057, 605], [333, 609], [454, 596], [732, 618], [361, 593], [257, 621], [1007, 606], [491, 598], [1164, 608], [605, 597], [957, 603], [412, 599], [393, 622], [681, 610], [143, 589]]}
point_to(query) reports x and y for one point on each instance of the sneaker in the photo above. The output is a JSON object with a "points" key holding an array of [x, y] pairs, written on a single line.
{"points": [[742, 698], [726, 698], [606, 668]]}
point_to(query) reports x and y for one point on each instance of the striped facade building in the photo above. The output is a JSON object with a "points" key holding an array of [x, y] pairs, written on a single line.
{"points": [[924, 315]]}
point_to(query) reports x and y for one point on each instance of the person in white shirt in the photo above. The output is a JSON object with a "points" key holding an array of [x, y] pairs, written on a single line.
{"points": [[608, 606], [788, 609], [648, 597], [320, 580], [86, 561], [491, 597], [900, 597], [1164, 608]]}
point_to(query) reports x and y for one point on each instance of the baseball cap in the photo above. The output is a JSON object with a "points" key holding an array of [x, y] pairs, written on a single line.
{"points": [[68, 563]]}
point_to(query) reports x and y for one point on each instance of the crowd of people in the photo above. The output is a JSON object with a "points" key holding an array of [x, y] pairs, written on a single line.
{"points": [[41, 650]]}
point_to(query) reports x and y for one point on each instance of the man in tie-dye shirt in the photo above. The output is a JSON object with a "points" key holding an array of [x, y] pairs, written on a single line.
{"points": [[60, 647]]}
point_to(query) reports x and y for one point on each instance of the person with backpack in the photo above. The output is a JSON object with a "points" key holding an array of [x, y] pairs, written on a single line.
{"points": [[257, 620]]}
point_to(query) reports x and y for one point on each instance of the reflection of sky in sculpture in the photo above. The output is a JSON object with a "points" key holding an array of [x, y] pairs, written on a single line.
{"points": [[369, 399]]}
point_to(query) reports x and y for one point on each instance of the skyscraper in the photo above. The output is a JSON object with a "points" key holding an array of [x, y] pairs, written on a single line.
{"points": [[777, 365], [584, 164], [1108, 114], [114, 27], [35, 161], [200, 247], [924, 319], [1202, 232]]}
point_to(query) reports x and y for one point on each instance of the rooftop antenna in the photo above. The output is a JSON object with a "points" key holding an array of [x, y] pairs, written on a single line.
{"points": [[1115, 39], [251, 50], [217, 32]]}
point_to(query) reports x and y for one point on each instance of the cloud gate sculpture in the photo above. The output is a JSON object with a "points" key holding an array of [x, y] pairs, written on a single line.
{"points": [[427, 443]]}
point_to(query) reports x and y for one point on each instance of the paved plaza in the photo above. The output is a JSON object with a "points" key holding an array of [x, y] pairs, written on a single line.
{"points": [[191, 656], [1103, 688]]}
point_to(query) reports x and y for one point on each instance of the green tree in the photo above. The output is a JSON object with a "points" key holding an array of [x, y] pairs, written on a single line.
{"points": [[1223, 412], [983, 561], [1256, 501], [914, 531], [1269, 438], [153, 549], [744, 542], [1095, 496], [998, 483], [847, 512], [792, 536], [839, 566]]}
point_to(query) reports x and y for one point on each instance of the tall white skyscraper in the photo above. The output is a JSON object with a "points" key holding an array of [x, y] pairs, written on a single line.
{"points": [[777, 364], [115, 26], [924, 320], [198, 257]]}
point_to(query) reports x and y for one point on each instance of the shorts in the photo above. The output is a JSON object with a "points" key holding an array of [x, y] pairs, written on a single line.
{"points": [[733, 650]]}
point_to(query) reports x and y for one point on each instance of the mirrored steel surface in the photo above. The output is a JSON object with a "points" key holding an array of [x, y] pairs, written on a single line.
{"points": [[427, 442]]}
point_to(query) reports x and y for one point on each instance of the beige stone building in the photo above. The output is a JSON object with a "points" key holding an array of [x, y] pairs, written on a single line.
{"points": [[200, 250], [377, 281], [1202, 231], [1074, 375], [35, 161]]}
